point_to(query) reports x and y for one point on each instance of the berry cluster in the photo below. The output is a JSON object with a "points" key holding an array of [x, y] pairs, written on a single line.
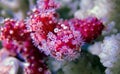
{"points": [[90, 28], [13, 35], [58, 38], [44, 31], [17, 41]]}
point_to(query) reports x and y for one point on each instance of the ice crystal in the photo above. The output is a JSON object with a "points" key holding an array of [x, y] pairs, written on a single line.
{"points": [[92, 8], [109, 53]]}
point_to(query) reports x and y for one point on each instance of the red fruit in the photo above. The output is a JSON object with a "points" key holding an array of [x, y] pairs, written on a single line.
{"points": [[64, 42], [11, 46], [19, 42], [90, 28], [13, 35], [35, 59], [14, 30], [67, 38], [60, 40], [37, 68], [40, 24]]}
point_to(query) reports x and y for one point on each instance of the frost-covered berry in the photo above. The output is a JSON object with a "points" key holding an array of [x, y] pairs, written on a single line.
{"points": [[14, 30], [11, 46], [90, 28], [65, 42], [13, 34], [20, 42], [36, 61], [39, 24], [43, 27], [60, 39], [30, 54]]}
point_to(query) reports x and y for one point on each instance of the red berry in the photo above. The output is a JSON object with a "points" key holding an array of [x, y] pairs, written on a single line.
{"points": [[90, 28], [36, 61], [11, 46], [14, 30], [40, 24], [61, 40], [19, 42], [13, 34], [67, 37], [63, 43]]}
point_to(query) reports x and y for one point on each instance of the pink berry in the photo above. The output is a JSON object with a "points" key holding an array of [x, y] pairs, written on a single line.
{"points": [[35, 59], [13, 29], [90, 28], [40, 24], [36, 63], [65, 42], [11, 46], [13, 34], [62, 43], [60, 39], [19, 42], [67, 37]]}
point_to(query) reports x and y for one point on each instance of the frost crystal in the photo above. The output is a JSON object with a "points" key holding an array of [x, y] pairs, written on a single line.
{"points": [[109, 53]]}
